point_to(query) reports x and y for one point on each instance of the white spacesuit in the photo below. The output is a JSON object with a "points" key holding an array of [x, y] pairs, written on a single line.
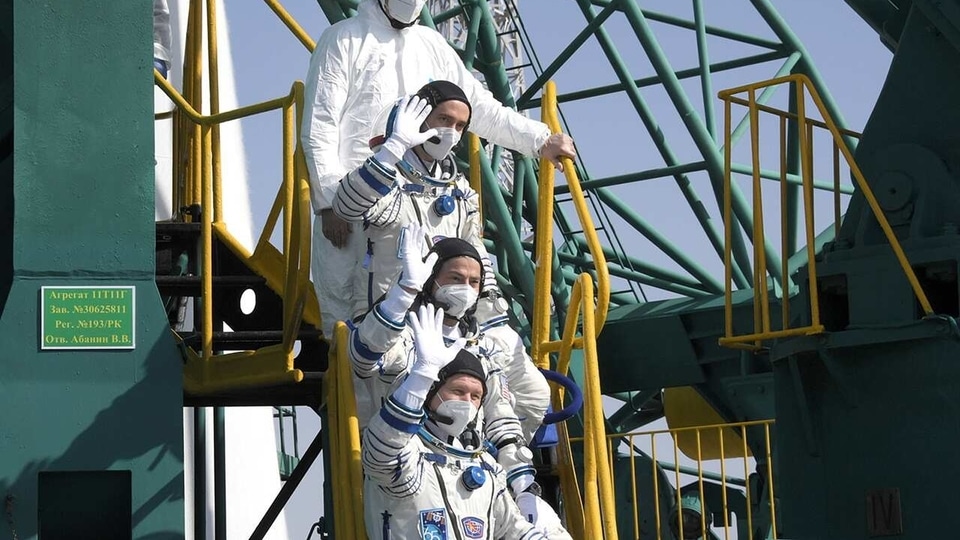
{"points": [[360, 66], [424, 477], [382, 351], [404, 183]]}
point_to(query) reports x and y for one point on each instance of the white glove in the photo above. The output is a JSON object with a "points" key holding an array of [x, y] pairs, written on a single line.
{"points": [[411, 245], [518, 462], [432, 353], [407, 117]]}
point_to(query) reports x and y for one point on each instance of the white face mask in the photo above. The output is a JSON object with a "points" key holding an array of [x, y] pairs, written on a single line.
{"points": [[404, 11], [449, 137], [456, 299], [452, 417]]}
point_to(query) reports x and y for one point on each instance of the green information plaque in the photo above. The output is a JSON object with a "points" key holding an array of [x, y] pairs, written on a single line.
{"points": [[87, 317]]}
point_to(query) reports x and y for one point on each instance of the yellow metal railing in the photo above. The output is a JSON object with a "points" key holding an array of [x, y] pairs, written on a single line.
{"points": [[594, 516], [345, 460], [198, 180], [762, 330], [732, 461]]}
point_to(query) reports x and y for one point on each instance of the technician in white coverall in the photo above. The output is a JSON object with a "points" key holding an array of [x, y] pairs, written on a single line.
{"points": [[360, 66], [426, 474], [413, 180]]}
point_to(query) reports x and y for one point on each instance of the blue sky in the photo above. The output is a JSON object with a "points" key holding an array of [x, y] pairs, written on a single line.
{"points": [[853, 63]]}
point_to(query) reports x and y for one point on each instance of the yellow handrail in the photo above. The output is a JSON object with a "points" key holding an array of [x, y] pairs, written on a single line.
{"points": [[291, 24], [544, 239], [475, 178], [595, 515], [348, 510], [762, 325], [293, 281]]}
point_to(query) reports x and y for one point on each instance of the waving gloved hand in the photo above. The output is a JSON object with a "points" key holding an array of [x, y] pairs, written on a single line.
{"points": [[432, 353], [416, 269], [403, 127]]}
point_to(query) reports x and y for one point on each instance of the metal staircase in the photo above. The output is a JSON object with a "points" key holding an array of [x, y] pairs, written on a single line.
{"points": [[178, 243]]}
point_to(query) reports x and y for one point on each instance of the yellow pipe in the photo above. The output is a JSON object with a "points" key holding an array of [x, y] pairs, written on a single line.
{"points": [[291, 262], [197, 157], [784, 256], [758, 244], [292, 24], [543, 238], [773, 498], [549, 104], [214, 89], [633, 485], [703, 515], [352, 425], [225, 116], [807, 180], [555, 346], [592, 377], [727, 223], [206, 270], [656, 484], [475, 179], [349, 511], [336, 472], [759, 240], [723, 486], [287, 182], [785, 114], [746, 474], [591, 514], [568, 476], [836, 190], [764, 336], [676, 472]]}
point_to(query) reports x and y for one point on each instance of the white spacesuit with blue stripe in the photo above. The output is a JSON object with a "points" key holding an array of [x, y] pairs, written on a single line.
{"points": [[386, 198], [419, 487], [424, 478]]}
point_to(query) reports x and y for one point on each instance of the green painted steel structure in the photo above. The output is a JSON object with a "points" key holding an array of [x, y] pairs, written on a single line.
{"points": [[865, 412], [92, 441]]}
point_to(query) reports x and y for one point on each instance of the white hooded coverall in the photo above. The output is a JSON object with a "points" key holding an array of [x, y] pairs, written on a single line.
{"points": [[361, 66]]}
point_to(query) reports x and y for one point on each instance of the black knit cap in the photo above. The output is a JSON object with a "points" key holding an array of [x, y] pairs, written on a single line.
{"points": [[452, 247], [465, 363], [437, 92], [448, 248]]}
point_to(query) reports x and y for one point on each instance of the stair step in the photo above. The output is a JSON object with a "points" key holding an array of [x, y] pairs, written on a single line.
{"points": [[190, 285], [309, 392], [248, 339]]}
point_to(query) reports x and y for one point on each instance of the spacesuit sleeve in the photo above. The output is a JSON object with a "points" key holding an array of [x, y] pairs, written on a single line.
{"points": [[372, 339], [529, 387], [325, 95], [390, 456], [491, 119], [510, 523], [361, 190], [502, 428]]}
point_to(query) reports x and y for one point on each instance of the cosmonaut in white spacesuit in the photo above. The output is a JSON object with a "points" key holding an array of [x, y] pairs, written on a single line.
{"points": [[427, 474], [382, 352]]}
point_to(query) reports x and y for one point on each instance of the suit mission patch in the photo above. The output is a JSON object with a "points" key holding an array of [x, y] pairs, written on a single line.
{"points": [[433, 524], [472, 527]]}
